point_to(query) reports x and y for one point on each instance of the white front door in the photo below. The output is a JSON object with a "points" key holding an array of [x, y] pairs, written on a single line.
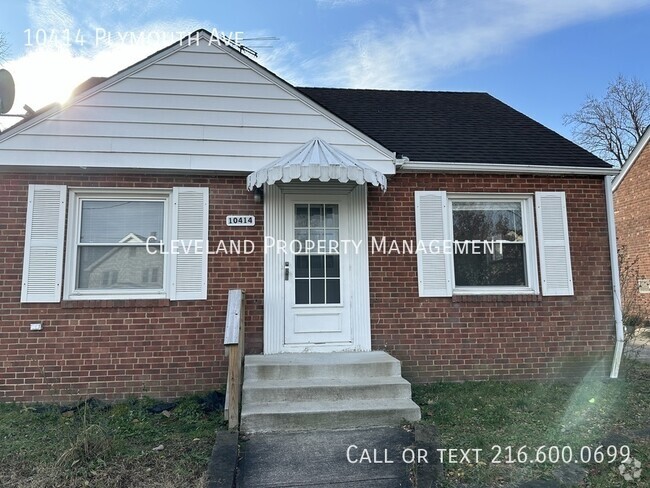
{"points": [[317, 274], [317, 299]]}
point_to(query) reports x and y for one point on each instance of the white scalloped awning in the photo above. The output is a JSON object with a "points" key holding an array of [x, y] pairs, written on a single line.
{"points": [[316, 160]]}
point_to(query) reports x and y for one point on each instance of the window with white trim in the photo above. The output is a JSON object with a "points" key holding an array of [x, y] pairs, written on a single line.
{"points": [[120, 244], [116, 244], [484, 243], [493, 244]]}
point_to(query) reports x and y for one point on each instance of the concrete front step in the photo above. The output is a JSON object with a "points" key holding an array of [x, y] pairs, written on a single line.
{"points": [[294, 392], [321, 365], [313, 389], [341, 414]]}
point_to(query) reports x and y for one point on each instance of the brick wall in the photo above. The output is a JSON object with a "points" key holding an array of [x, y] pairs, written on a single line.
{"points": [[114, 349], [633, 229], [492, 337]]}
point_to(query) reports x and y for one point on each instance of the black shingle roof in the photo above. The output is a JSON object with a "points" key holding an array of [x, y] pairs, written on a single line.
{"points": [[457, 127]]}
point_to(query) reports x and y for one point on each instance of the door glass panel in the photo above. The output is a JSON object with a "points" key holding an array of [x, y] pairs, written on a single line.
{"points": [[302, 292], [302, 235], [302, 266], [333, 294], [316, 215], [332, 266], [317, 291], [332, 215], [316, 235], [302, 215], [331, 236], [317, 268]]}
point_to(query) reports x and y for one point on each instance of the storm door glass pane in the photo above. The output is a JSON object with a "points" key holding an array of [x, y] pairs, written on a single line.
{"points": [[317, 265]]}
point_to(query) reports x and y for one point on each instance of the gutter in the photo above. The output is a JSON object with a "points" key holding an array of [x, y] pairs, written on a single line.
{"points": [[408, 166], [616, 284]]}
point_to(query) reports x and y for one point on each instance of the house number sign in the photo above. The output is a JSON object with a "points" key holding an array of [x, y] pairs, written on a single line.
{"points": [[240, 220]]}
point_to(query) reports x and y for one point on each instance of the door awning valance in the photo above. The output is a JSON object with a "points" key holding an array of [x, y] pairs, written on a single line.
{"points": [[316, 160]]}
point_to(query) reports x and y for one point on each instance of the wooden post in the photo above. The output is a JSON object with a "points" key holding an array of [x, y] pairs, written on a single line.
{"points": [[234, 343]]}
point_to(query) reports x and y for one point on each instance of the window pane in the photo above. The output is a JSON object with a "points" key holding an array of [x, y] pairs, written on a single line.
{"points": [[317, 291], [506, 266], [302, 235], [302, 266], [333, 291], [115, 267], [332, 266], [302, 292], [487, 221], [120, 221], [302, 219], [317, 235], [316, 215], [317, 266], [331, 236], [332, 215]]}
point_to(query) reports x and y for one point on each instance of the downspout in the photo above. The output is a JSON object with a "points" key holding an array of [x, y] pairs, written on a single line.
{"points": [[616, 284]]}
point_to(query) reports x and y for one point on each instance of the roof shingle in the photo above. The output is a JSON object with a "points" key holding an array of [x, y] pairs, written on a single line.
{"points": [[458, 127]]}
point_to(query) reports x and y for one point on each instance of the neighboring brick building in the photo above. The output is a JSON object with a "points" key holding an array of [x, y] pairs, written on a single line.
{"points": [[156, 158], [631, 194]]}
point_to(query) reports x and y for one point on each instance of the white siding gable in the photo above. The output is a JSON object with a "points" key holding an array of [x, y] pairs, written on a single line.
{"points": [[197, 107]]}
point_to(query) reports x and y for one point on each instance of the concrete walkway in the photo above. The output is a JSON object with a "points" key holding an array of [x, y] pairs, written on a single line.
{"points": [[323, 458]]}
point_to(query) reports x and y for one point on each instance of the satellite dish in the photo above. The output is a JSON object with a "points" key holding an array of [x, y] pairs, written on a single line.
{"points": [[7, 91]]}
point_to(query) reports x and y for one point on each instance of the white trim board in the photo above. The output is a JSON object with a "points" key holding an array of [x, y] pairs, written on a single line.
{"points": [[631, 159]]}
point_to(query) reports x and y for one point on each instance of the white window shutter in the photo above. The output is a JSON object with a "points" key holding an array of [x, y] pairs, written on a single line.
{"points": [[431, 224], [44, 233], [189, 262], [553, 236]]}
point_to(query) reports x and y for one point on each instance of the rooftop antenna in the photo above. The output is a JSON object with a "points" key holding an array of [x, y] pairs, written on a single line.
{"points": [[269, 39], [7, 91], [236, 45], [246, 49]]}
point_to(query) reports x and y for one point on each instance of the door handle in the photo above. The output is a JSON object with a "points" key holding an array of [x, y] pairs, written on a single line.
{"points": [[286, 271]]}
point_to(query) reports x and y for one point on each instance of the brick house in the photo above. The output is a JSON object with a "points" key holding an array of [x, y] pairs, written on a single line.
{"points": [[167, 154], [633, 225]]}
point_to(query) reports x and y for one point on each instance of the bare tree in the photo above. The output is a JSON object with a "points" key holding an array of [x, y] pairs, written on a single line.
{"points": [[611, 126]]}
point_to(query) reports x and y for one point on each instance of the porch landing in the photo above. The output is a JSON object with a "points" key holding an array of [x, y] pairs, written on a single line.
{"points": [[297, 392]]}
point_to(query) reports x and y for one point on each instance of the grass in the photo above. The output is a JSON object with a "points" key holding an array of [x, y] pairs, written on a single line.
{"points": [[106, 446], [534, 414]]}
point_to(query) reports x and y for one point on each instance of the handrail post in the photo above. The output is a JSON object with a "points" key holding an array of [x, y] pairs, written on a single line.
{"points": [[234, 344]]}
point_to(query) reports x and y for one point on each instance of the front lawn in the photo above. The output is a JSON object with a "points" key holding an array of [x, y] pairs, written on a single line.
{"points": [[531, 417], [129, 444]]}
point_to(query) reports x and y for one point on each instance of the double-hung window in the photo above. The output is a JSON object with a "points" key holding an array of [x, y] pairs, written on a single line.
{"points": [[117, 244], [484, 243], [492, 244]]}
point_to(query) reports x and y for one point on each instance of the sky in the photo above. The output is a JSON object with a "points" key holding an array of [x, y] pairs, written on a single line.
{"points": [[543, 57]]}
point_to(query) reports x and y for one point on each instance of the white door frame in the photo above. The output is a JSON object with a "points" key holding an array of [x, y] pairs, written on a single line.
{"points": [[274, 259]]}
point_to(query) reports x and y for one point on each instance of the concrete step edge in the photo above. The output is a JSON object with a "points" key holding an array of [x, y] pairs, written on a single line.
{"points": [[324, 381], [324, 407]]}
